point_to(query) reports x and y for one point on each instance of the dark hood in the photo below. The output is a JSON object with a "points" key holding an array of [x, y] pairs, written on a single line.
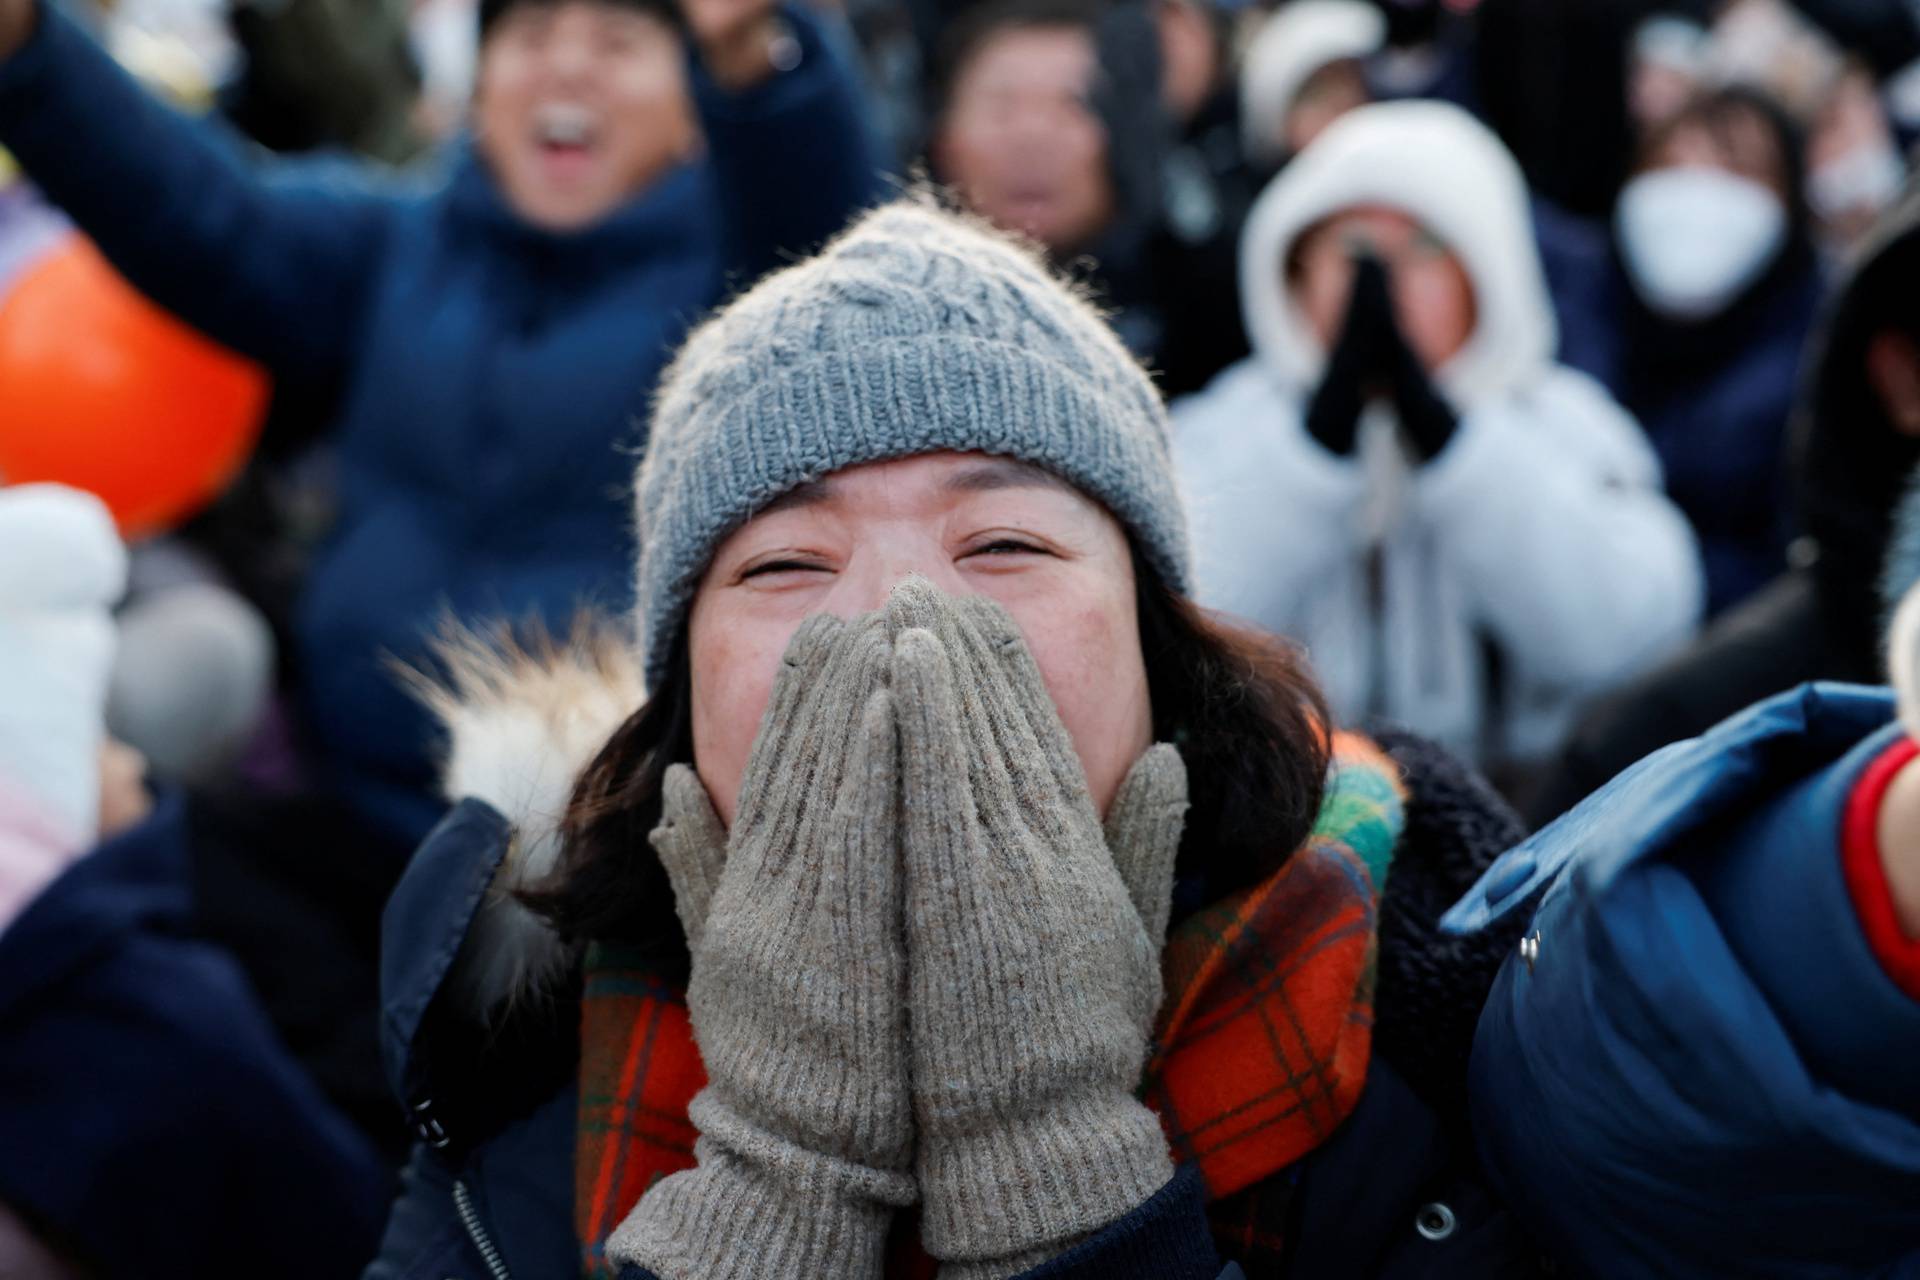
{"points": [[1850, 465]]}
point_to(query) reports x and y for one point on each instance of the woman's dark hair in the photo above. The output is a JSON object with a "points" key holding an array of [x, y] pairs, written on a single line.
{"points": [[1720, 112], [1241, 706], [491, 11], [973, 28]]}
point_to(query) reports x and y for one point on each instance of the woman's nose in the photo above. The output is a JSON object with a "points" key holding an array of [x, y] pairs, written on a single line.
{"points": [[864, 587]]}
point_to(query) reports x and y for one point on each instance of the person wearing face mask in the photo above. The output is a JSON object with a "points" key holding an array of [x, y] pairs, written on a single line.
{"points": [[1721, 287], [1856, 438], [1467, 537], [489, 334], [937, 891]]}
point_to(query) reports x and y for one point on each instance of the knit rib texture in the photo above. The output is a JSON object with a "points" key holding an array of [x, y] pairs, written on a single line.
{"points": [[916, 331]]}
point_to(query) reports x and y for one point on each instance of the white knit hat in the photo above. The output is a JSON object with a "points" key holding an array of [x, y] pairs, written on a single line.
{"points": [[62, 566], [1287, 51]]}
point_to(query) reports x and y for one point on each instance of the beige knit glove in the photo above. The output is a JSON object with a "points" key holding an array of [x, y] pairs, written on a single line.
{"points": [[1033, 945], [806, 1135]]}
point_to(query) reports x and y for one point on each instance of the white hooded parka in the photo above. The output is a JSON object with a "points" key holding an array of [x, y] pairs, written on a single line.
{"points": [[1479, 598]]}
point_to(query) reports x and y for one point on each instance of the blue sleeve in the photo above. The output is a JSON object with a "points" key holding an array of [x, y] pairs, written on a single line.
{"points": [[1166, 1238], [1697, 1066], [792, 157], [274, 269], [1777, 887]]}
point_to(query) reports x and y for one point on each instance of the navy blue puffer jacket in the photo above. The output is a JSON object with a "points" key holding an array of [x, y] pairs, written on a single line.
{"points": [[492, 378]]}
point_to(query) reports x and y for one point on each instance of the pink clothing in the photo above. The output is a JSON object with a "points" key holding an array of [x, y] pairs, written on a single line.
{"points": [[33, 849]]}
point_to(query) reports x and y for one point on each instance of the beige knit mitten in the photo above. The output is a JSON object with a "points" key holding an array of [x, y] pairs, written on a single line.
{"points": [[1033, 948], [797, 991]]}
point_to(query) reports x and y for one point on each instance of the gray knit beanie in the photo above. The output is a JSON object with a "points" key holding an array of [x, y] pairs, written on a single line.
{"points": [[917, 330]]}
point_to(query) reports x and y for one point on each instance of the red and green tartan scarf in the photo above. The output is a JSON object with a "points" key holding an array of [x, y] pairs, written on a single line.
{"points": [[1260, 1053]]}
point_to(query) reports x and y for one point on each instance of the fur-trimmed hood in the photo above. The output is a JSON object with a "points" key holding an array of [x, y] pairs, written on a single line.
{"points": [[523, 717]]}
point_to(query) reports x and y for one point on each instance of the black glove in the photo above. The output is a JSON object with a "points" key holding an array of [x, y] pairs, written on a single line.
{"points": [[1371, 357], [1355, 364], [1427, 421]]}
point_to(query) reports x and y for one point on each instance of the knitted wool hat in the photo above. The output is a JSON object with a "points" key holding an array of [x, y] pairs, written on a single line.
{"points": [[916, 331]]}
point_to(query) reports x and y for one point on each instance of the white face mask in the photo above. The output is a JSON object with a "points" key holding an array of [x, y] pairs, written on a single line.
{"points": [[1694, 237]]}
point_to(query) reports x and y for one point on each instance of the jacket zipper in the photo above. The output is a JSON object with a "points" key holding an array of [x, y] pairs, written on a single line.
{"points": [[1379, 698], [470, 1219]]}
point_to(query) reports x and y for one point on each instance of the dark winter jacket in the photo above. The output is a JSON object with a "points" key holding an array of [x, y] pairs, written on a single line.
{"points": [[1191, 264], [151, 1123], [1658, 1030], [1697, 1066], [496, 1109], [491, 376], [1820, 620], [1715, 398], [1578, 262]]}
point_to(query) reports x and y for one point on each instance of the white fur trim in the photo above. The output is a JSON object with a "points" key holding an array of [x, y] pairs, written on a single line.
{"points": [[1903, 658], [1287, 51], [522, 722], [1439, 165]]}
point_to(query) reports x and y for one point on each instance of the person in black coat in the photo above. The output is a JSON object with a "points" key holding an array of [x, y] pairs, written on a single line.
{"points": [[1714, 299], [1858, 437]]}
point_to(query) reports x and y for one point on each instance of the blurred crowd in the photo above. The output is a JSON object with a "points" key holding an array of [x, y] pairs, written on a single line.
{"points": [[1548, 369]]}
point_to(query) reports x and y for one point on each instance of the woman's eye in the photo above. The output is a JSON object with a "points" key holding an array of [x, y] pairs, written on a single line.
{"points": [[782, 566], [1007, 547]]}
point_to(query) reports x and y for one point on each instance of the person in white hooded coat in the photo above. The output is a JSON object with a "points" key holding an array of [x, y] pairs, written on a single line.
{"points": [[1468, 538]]}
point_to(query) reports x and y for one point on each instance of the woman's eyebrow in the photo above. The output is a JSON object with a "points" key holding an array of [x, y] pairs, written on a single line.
{"points": [[810, 494], [1003, 473]]}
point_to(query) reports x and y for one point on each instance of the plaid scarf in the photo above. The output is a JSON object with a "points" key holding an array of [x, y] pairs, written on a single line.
{"points": [[1260, 1053]]}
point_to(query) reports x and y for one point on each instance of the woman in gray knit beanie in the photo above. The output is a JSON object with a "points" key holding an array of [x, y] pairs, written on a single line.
{"points": [[937, 456], [960, 900]]}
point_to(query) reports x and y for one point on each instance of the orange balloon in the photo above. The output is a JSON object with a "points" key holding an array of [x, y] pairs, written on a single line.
{"points": [[102, 390]]}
